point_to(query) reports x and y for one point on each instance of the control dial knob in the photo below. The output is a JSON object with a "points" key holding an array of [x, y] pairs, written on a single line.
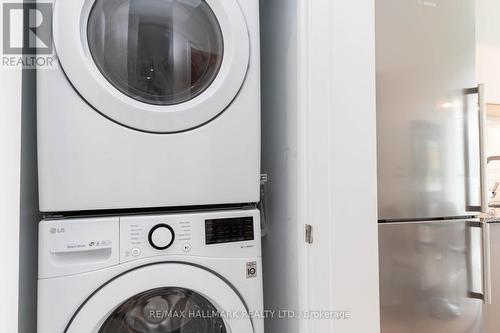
{"points": [[161, 236]]}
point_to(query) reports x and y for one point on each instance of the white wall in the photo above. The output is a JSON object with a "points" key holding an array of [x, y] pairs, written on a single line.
{"points": [[488, 69], [19, 214], [493, 148], [10, 159], [488, 24]]}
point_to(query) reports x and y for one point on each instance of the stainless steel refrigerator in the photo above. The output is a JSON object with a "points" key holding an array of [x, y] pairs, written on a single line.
{"points": [[434, 252]]}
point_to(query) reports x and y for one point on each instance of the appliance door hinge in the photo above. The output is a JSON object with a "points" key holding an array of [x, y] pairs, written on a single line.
{"points": [[309, 234], [263, 178]]}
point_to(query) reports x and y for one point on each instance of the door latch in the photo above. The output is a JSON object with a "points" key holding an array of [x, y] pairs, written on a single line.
{"points": [[309, 234]]}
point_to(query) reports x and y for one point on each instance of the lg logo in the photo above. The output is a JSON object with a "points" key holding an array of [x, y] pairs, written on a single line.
{"points": [[27, 28], [54, 231]]}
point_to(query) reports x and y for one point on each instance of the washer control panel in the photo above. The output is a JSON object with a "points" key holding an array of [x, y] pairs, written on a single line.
{"points": [[226, 234], [78, 245]]}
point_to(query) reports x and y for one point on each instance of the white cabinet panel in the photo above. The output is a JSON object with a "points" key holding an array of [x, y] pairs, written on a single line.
{"points": [[488, 47], [488, 70]]}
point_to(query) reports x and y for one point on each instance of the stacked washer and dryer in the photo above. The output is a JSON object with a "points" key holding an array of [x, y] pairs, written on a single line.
{"points": [[149, 168]]}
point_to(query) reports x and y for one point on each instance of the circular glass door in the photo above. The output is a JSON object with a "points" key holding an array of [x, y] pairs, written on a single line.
{"points": [[163, 298], [162, 66], [159, 52], [166, 310]]}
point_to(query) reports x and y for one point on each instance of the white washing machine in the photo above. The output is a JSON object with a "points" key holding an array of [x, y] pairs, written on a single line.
{"points": [[198, 272], [155, 103]]}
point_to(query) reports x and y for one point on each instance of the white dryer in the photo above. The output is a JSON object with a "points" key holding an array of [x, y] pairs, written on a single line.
{"points": [[155, 103], [197, 272]]}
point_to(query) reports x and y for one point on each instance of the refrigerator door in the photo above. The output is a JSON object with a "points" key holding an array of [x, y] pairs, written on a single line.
{"points": [[427, 115], [431, 277]]}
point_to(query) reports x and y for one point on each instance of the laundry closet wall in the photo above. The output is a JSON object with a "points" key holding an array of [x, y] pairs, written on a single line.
{"points": [[19, 215], [29, 214], [10, 170]]}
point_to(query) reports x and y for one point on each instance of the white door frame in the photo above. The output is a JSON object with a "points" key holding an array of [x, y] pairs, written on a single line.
{"points": [[337, 170]]}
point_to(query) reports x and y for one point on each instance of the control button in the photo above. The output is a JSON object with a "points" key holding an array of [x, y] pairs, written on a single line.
{"points": [[161, 236], [135, 252], [186, 247]]}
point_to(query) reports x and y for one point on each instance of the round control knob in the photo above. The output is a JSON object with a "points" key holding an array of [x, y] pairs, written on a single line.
{"points": [[161, 236]]}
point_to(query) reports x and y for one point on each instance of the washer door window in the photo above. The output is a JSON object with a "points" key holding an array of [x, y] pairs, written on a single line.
{"points": [[165, 310], [154, 65], [163, 298]]}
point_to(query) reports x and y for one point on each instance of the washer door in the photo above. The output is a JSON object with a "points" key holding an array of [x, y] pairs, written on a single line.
{"points": [[163, 298], [154, 65]]}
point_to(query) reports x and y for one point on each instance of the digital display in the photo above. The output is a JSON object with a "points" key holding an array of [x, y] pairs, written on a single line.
{"points": [[229, 230]]}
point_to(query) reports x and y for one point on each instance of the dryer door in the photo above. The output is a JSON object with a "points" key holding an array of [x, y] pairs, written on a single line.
{"points": [[162, 298], [154, 65]]}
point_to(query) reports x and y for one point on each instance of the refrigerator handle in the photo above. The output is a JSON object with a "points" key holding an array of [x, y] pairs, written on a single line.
{"points": [[483, 204], [486, 256], [485, 296], [482, 148]]}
